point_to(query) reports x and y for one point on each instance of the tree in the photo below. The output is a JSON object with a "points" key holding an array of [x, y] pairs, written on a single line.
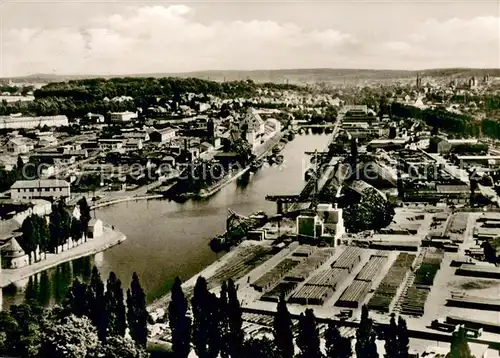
{"points": [[391, 339], [235, 320], [121, 347], [403, 338], [72, 337], [137, 313], [115, 307], [308, 338], [459, 346], [60, 225], [224, 322], [30, 236], [283, 335], [180, 323], [206, 324], [336, 345], [259, 348], [84, 214], [365, 336], [201, 323]]}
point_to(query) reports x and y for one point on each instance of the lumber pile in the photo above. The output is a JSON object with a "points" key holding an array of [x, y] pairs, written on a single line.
{"points": [[349, 259], [285, 288], [371, 269], [386, 291], [354, 295], [303, 270], [273, 276], [414, 300], [312, 295]]}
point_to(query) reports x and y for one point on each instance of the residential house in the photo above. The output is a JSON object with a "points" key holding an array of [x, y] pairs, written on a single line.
{"points": [[17, 145]]}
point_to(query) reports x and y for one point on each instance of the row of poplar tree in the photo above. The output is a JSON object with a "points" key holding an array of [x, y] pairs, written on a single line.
{"points": [[48, 235], [92, 322], [215, 328]]}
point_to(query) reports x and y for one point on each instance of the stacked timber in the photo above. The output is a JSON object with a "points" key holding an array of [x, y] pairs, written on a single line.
{"points": [[282, 288], [414, 300], [304, 251], [416, 296], [273, 276], [386, 291], [349, 259], [354, 295], [312, 295], [475, 302], [302, 271], [457, 226], [331, 277], [478, 271], [371, 269]]}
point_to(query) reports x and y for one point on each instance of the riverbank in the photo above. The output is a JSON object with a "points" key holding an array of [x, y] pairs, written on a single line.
{"points": [[108, 239], [208, 272], [123, 200]]}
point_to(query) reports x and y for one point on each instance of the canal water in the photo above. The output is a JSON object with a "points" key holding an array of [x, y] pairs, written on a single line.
{"points": [[166, 239]]}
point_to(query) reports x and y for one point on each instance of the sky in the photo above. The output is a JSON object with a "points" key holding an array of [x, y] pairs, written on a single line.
{"points": [[101, 37]]}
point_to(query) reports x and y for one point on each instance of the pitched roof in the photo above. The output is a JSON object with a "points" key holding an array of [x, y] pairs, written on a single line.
{"points": [[12, 249], [43, 183]]}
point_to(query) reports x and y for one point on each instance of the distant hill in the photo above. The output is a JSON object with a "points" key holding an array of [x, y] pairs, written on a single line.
{"points": [[292, 76]]}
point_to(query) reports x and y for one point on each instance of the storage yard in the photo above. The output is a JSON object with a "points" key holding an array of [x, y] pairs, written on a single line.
{"points": [[425, 285]]}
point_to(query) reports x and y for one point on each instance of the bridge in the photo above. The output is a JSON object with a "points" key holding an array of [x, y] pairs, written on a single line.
{"points": [[304, 200]]}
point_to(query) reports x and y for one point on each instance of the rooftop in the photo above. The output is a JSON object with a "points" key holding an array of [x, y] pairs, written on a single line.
{"points": [[43, 183]]}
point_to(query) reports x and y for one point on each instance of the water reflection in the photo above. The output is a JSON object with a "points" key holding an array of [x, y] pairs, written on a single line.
{"points": [[166, 239], [51, 286]]}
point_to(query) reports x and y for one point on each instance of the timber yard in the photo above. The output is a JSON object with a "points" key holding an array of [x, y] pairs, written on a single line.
{"points": [[393, 211], [425, 265]]}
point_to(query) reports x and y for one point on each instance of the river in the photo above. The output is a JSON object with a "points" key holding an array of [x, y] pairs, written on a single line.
{"points": [[166, 239]]}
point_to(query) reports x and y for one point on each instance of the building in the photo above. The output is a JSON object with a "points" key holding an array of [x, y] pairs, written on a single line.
{"points": [[163, 135], [47, 141], [253, 127], [94, 118], [17, 146], [19, 122], [95, 229], [13, 255], [333, 221], [110, 144], [42, 188], [121, 117], [309, 227], [387, 143]]}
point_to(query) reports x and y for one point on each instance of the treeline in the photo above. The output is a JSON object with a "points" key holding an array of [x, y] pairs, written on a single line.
{"points": [[440, 118], [78, 97], [48, 235], [92, 322], [215, 330]]}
